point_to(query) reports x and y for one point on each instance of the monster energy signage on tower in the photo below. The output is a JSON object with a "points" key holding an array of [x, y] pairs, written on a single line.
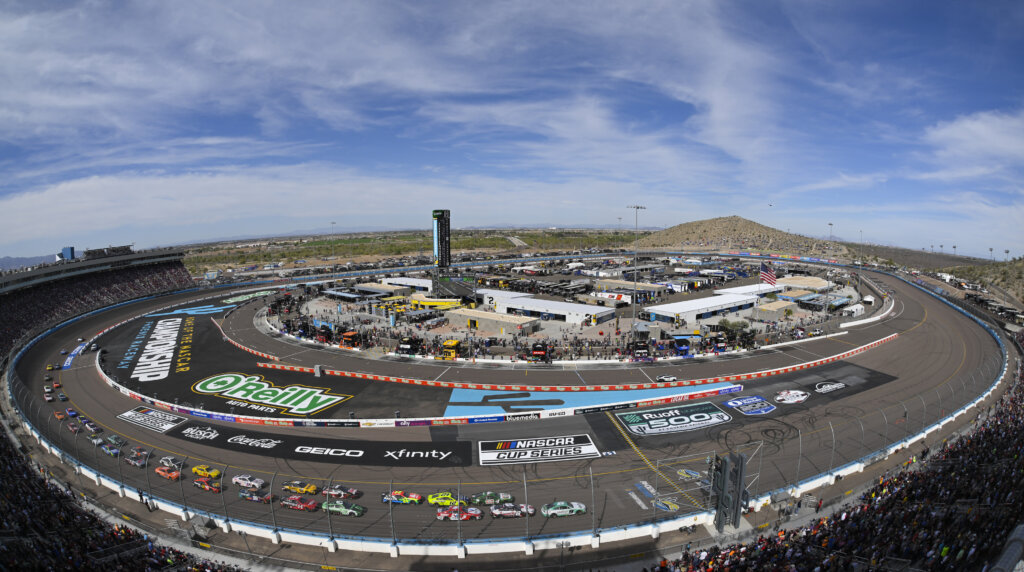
{"points": [[252, 389]]}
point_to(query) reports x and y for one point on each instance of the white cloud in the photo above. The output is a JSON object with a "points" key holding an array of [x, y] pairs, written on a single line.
{"points": [[987, 136]]}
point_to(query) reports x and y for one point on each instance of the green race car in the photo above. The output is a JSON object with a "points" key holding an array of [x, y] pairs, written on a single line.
{"points": [[344, 508], [491, 497]]}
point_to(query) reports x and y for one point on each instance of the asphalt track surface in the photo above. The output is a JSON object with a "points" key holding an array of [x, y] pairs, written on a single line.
{"points": [[939, 361]]}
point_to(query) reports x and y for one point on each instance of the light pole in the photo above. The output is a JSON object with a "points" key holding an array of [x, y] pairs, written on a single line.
{"points": [[940, 249], [636, 240], [862, 237], [954, 250], [992, 256], [332, 240], [830, 232], [1006, 255]]}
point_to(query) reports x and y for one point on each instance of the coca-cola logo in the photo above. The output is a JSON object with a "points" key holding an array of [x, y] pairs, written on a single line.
{"points": [[260, 443], [827, 387], [201, 433]]}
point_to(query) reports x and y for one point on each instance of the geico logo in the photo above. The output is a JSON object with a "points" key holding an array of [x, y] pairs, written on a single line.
{"points": [[681, 420], [331, 452]]}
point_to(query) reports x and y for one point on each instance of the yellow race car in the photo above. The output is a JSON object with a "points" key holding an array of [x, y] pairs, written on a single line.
{"points": [[300, 487], [206, 471]]}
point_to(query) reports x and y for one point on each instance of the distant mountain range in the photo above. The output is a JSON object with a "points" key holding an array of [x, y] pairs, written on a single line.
{"points": [[12, 262]]}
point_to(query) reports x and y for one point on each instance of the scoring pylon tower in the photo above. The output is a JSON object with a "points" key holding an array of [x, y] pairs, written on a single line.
{"points": [[448, 283]]}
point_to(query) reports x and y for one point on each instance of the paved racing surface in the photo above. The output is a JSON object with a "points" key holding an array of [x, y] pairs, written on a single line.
{"points": [[791, 426]]}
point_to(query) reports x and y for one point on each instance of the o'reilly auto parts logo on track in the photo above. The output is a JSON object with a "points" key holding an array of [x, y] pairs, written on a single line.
{"points": [[674, 419], [538, 450], [262, 395]]}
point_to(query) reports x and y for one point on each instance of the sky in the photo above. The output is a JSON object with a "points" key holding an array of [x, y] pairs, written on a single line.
{"points": [[157, 123]]}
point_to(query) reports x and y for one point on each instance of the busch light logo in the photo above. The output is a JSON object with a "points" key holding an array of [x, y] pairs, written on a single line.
{"points": [[201, 433]]}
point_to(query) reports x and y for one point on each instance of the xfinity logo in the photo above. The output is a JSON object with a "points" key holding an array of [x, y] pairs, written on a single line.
{"points": [[201, 433], [330, 452], [260, 443], [406, 454]]}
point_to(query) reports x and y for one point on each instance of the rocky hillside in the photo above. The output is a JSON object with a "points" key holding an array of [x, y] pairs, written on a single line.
{"points": [[737, 233]]}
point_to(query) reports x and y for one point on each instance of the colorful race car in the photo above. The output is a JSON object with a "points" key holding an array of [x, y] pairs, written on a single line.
{"points": [[446, 498], [140, 451], [207, 484], [48, 397], [247, 481], [401, 497], [136, 460], [73, 427], [342, 492], [59, 415], [459, 513], [110, 449], [56, 385], [91, 426], [205, 471], [168, 473], [563, 508], [255, 496], [47, 389], [71, 412], [62, 397], [298, 503], [96, 440], [510, 510], [344, 508], [300, 487], [491, 497]]}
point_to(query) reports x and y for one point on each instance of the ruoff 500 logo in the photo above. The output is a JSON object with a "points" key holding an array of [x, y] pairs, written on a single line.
{"points": [[292, 400]]}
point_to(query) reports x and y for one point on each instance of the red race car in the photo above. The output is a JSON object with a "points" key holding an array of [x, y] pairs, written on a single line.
{"points": [[296, 502], [207, 484], [459, 513]]}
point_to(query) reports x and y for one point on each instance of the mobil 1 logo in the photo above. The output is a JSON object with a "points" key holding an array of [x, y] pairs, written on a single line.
{"points": [[751, 405], [674, 419]]}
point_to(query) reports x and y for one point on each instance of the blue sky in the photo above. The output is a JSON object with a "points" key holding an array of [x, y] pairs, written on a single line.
{"points": [[168, 122]]}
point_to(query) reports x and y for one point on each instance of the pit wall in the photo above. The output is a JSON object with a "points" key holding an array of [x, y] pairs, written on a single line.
{"points": [[592, 538]]}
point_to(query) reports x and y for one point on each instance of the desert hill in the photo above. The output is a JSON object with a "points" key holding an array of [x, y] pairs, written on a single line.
{"points": [[738, 233]]}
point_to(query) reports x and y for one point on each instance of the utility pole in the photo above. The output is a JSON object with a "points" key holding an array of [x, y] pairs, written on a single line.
{"points": [[332, 240], [954, 250], [992, 256], [636, 240], [1006, 257]]}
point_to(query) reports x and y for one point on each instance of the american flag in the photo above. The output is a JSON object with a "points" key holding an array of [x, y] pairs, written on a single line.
{"points": [[767, 274]]}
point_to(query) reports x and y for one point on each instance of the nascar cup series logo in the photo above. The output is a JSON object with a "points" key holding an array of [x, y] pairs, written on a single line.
{"points": [[291, 400]]}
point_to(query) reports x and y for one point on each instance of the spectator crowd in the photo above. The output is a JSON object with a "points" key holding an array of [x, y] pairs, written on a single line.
{"points": [[952, 510]]}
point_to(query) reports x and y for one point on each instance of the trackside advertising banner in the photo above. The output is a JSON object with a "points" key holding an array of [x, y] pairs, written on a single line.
{"points": [[346, 452], [538, 450]]}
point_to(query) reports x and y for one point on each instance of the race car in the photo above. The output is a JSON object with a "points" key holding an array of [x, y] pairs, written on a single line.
{"points": [[207, 484], [47, 389], [341, 492], [491, 497], [168, 473], [59, 415], [344, 508], [49, 367], [92, 426], [563, 508], [110, 449], [459, 513], [300, 487], [401, 497], [47, 397], [117, 441], [296, 502], [56, 385], [445, 498], [170, 461], [63, 352], [62, 397], [136, 460], [141, 451], [71, 412], [47, 377], [247, 481], [510, 510], [667, 378], [73, 427], [254, 495], [205, 471], [96, 440]]}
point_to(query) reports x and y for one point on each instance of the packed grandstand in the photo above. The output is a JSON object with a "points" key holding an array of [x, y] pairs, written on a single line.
{"points": [[952, 509]]}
